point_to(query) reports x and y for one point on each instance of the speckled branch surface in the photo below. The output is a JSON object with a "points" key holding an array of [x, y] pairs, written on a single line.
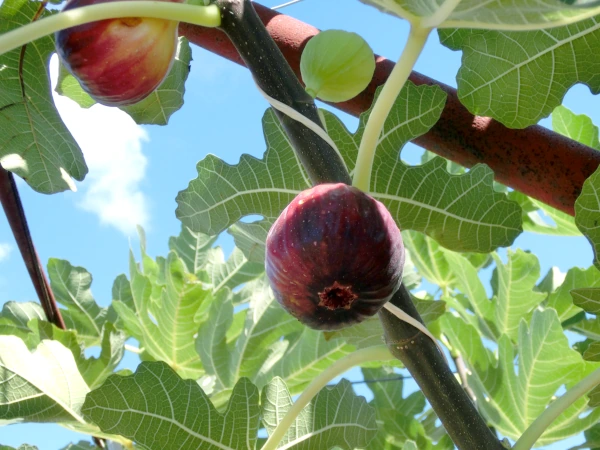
{"points": [[535, 161]]}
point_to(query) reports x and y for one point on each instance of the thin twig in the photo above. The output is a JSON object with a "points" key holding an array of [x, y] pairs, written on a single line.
{"points": [[462, 370], [285, 4]]}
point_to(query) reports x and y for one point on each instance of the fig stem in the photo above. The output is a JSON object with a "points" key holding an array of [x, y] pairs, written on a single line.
{"points": [[383, 105], [556, 408], [207, 16], [423, 360], [275, 77], [369, 354]]}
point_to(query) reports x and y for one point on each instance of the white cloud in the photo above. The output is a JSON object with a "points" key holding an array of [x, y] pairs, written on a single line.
{"points": [[5, 250], [112, 144]]}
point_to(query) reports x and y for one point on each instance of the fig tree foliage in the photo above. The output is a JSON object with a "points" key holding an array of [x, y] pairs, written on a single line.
{"points": [[220, 359]]}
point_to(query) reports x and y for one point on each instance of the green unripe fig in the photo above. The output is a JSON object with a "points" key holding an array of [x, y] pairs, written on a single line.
{"points": [[336, 65]]}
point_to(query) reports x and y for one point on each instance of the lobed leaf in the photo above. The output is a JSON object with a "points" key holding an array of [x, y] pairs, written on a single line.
{"points": [[232, 273], [462, 212], [158, 410], [34, 142], [493, 14], [395, 414], [515, 297], [15, 316], [163, 317], [71, 287], [94, 370], [192, 248], [264, 323], [40, 386], [302, 357], [520, 77], [250, 239], [587, 213], [428, 258], [562, 299], [334, 417], [512, 401], [578, 127]]}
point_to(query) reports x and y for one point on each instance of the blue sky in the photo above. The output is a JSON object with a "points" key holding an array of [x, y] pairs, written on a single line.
{"points": [[136, 172]]}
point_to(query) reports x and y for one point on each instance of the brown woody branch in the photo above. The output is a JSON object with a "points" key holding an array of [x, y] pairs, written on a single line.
{"points": [[13, 208], [534, 160]]}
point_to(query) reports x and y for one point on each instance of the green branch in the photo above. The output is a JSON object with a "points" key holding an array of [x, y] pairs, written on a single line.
{"points": [[207, 16]]}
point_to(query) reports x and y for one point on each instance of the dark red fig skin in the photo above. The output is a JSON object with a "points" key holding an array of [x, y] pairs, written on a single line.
{"points": [[118, 61], [334, 256]]}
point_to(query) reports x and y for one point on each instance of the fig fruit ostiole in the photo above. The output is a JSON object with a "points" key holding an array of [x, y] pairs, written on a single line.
{"points": [[334, 256], [118, 61]]}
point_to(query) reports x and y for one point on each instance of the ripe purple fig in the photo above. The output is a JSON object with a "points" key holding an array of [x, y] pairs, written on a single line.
{"points": [[334, 256], [118, 61]]}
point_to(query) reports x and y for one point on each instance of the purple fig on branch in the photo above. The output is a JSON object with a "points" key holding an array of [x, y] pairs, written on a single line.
{"points": [[118, 61], [334, 256]]}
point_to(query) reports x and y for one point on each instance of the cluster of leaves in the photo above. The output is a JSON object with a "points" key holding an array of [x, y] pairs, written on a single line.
{"points": [[208, 346], [217, 348]]}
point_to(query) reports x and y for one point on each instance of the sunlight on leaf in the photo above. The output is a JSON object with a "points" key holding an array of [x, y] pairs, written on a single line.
{"points": [[34, 142], [512, 401], [335, 416], [497, 14], [39, 386], [192, 248], [166, 327], [575, 279], [71, 287]]}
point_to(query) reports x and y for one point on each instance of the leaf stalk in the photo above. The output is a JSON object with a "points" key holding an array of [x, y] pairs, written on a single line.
{"points": [[377, 353], [544, 420], [383, 105]]}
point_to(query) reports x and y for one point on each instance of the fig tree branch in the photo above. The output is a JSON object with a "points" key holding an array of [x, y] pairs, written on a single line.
{"points": [[13, 208], [535, 161], [275, 77], [416, 351], [428, 367]]}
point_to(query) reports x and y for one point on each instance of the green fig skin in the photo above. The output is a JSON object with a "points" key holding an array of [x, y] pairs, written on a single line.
{"points": [[118, 62], [334, 256]]}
